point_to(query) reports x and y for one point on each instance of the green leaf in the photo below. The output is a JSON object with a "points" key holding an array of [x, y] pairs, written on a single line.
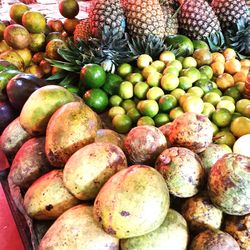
{"points": [[57, 76]]}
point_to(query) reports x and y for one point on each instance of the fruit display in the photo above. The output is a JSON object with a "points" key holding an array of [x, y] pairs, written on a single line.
{"points": [[129, 129]]}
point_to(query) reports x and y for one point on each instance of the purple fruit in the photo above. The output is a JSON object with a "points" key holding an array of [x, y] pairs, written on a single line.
{"points": [[7, 115]]}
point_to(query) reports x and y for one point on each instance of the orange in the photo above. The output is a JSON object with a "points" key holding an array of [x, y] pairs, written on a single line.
{"points": [[144, 61], [229, 54], [218, 57], [69, 25], [245, 63], [240, 77], [218, 68], [167, 56], [232, 66], [225, 81]]}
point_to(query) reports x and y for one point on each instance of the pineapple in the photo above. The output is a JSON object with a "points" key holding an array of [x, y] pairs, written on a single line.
{"points": [[82, 30], [144, 17], [230, 11], [106, 13], [197, 19]]}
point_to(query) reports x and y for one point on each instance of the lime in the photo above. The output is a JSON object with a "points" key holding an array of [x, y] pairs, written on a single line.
{"points": [[228, 98], [140, 90], [167, 102], [161, 119], [92, 76], [143, 61], [205, 84], [193, 104], [183, 98], [169, 82], [148, 108], [236, 115], [167, 56], [97, 99], [224, 137], [128, 104], [198, 44], [134, 114], [126, 90], [124, 69], [212, 98], [185, 83], [207, 71], [148, 70], [240, 86], [176, 64], [154, 79], [122, 123], [208, 109], [218, 91], [177, 93], [171, 70], [175, 112], [189, 62], [134, 77], [112, 83], [215, 128], [180, 59], [117, 110], [159, 65], [240, 126], [115, 100], [241, 105], [222, 117], [192, 73], [234, 92], [197, 91], [226, 104], [154, 93], [145, 120]]}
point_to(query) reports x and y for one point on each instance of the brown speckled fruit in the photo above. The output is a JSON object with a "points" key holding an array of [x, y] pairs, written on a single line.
{"points": [[143, 144], [201, 214], [239, 228], [182, 170], [229, 184], [192, 131], [214, 240]]}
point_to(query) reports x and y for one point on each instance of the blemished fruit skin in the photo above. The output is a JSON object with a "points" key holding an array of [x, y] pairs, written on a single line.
{"points": [[192, 131], [214, 240], [239, 227], [125, 203], [173, 233], [229, 184], [182, 171]]}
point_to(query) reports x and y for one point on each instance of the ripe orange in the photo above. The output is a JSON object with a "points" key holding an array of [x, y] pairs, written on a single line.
{"points": [[218, 57], [69, 25], [229, 53], [232, 66], [225, 81], [218, 68]]}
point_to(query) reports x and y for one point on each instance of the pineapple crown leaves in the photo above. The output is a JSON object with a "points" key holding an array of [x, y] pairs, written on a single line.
{"points": [[216, 41]]}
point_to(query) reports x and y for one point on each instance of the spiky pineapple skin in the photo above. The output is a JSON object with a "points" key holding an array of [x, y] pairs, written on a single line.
{"points": [[144, 17], [106, 12], [197, 19], [230, 11], [82, 30]]}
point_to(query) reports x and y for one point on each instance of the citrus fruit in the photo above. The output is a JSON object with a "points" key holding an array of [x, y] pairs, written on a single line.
{"points": [[140, 90], [115, 100], [193, 104], [222, 117], [126, 90], [224, 137], [124, 69], [122, 123], [229, 54], [189, 62], [16, 36], [240, 126], [167, 56], [208, 109], [218, 57], [228, 98], [16, 11], [159, 65], [175, 112], [149, 108], [216, 90], [171, 70], [112, 83], [161, 119], [176, 64], [240, 86], [232, 66], [128, 104], [185, 83], [134, 114], [192, 73], [183, 98], [117, 110], [144, 61], [212, 98], [34, 21], [233, 92], [55, 25], [92, 75], [154, 79], [215, 128], [241, 104], [97, 99], [52, 47], [169, 82], [198, 44], [68, 8], [177, 93], [207, 71], [202, 56], [154, 93], [236, 115], [167, 102], [205, 84], [134, 77], [218, 68], [148, 70], [145, 120], [69, 25], [197, 91], [226, 104], [240, 76]]}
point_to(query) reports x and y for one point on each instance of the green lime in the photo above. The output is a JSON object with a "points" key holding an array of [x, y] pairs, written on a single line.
{"points": [[212, 98], [154, 93], [134, 77], [126, 90], [228, 98], [215, 128], [216, 90], [226, 104], [189, 62], [224, 137], [180, 59], [145, 120], [234, 92], [92, 76], [148, 108], [198, 44], [128, 104], [112, 83], [134, 114], [169, 82], [175, 112], [124, 69], [197, 91], [161, 119], [167, 102], [241, 104], [208, 109], [240, 126], [97, 99], [159, 65], [193, 104], [183, 98], [122, 123], [177, 93], [221, 117], [171, 70], [205, 84], [115, 100], [192, 73], [148, 70], [140, 90], [143, 61], [167, 56], [154, 79], [236, 115], [176, 64], [185, 83], [207, 71], [117, 110], [240, 86]]}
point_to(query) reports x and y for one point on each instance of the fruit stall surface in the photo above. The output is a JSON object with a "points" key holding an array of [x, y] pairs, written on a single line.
{"points": [[125, 124]]}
